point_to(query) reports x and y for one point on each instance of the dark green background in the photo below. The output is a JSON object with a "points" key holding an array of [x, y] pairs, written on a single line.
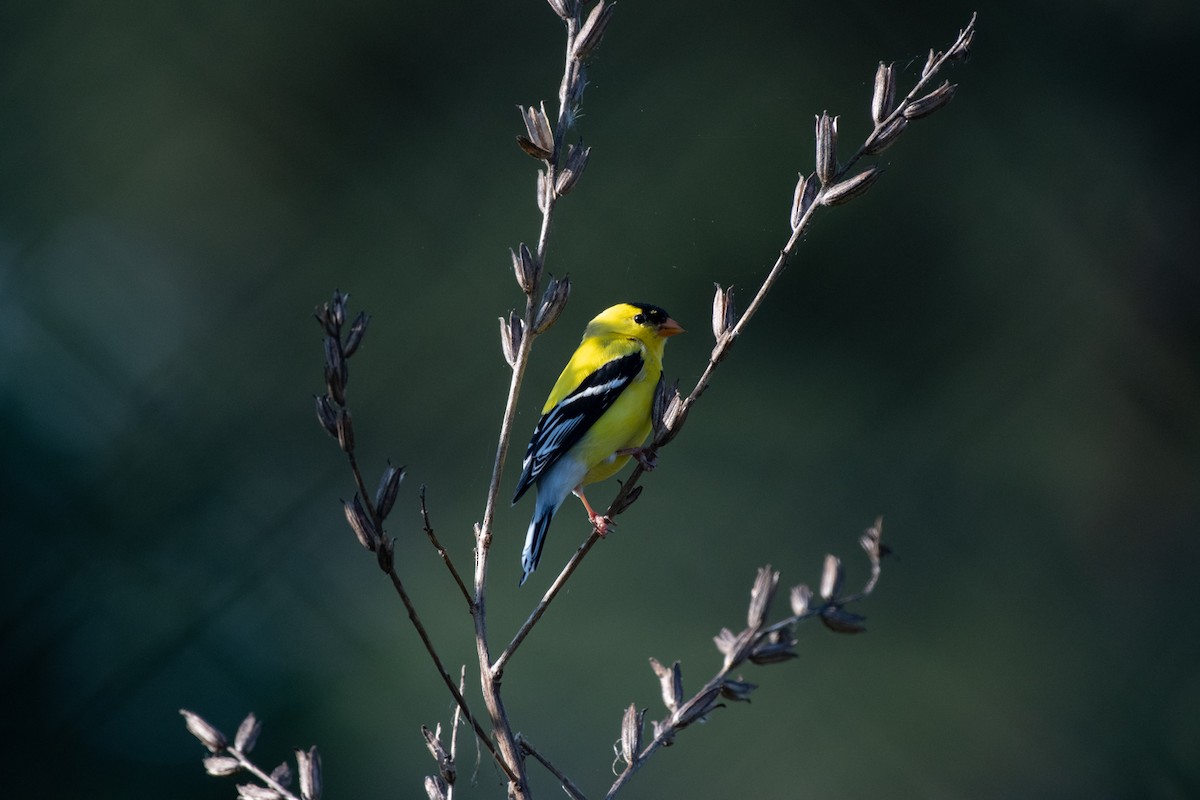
{"points": [[997, 349]]}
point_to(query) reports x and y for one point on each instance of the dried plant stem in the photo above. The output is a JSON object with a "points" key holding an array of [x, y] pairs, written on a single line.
{"points": [[437, 545], [573, 791], [489, 678]]}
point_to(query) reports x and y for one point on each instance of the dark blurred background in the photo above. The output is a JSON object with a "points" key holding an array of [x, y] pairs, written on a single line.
{"points": [[997, 349]]}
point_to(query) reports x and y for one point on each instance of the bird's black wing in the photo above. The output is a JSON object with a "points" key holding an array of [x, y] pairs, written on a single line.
{"points": [[565, 424]]}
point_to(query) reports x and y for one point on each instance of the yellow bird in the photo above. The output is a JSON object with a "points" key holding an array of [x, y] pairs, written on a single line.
{"points": [[596, 417]]}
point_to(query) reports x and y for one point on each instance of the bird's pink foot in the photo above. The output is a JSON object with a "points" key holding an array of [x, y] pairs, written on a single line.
{"points": [[600, 523]]}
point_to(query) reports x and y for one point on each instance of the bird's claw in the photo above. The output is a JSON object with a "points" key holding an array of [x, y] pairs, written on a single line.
{"points": [[602, 525]]}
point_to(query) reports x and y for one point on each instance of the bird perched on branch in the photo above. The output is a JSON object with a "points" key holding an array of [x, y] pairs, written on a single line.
{"points": [[596, 417]]}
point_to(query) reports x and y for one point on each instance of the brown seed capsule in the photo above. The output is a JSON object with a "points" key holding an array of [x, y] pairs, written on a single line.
{"points": [[592, 31], [308, 766], [839, 620], [564, 8], [882, 138], [282, 774], [672, 683], [389, 487], [361, 523], [357, 330], [760, 596], [512, 330], [800, 597], [554, 300], [802, 198], [924, 106], [221, 766], [831, 577], [883, 100], [577, 156], [930, 61], [632, 726], [826, 131], [850, 188], [724, 313], [247, 733], [209, 736]]}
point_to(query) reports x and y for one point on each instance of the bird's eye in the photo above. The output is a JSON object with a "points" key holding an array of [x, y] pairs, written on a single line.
{"points": [[640, 319]]}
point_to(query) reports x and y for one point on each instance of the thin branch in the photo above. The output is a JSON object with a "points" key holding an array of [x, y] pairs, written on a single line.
{"points": [[550, 191], [440, 549], [573, 791]]}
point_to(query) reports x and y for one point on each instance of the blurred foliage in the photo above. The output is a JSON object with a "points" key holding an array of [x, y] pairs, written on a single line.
{"points": [[997, 349]]}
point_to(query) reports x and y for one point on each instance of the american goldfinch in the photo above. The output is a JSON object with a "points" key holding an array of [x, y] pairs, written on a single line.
{"points": [[597, 415]]}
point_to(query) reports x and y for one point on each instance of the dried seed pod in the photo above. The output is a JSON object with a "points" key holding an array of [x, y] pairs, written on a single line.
{"points": [[776, 648], [839, 620], [847, 190], [672, 419], [247, 733], [632, 726], [361, 523], [512, 330], [358, 329], [924, 106], [883, 99], [737, 690], [337, 309], [831, 577], [221, 766], [761, 595], [566, 9], [624, 501], [525, 267], [308, 766], [208, 735], [930, 61], [735, 646], [801, 596], [827, 164], [664, 396], [699, 708], [724, 313], [326, 415], [252, 791], [539, 139], [882, 138], [436, 788], [389, 487], [672, 683], [577, 156], [282, 774], [592, 31], [802, 198], [871, 541], [554, 300]]}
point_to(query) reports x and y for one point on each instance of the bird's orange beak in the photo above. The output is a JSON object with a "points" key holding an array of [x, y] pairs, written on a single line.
{"points": [[669, 328]]}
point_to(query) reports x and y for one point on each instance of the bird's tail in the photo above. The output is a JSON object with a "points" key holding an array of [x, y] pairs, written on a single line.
{"points": [[534, 539]]}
